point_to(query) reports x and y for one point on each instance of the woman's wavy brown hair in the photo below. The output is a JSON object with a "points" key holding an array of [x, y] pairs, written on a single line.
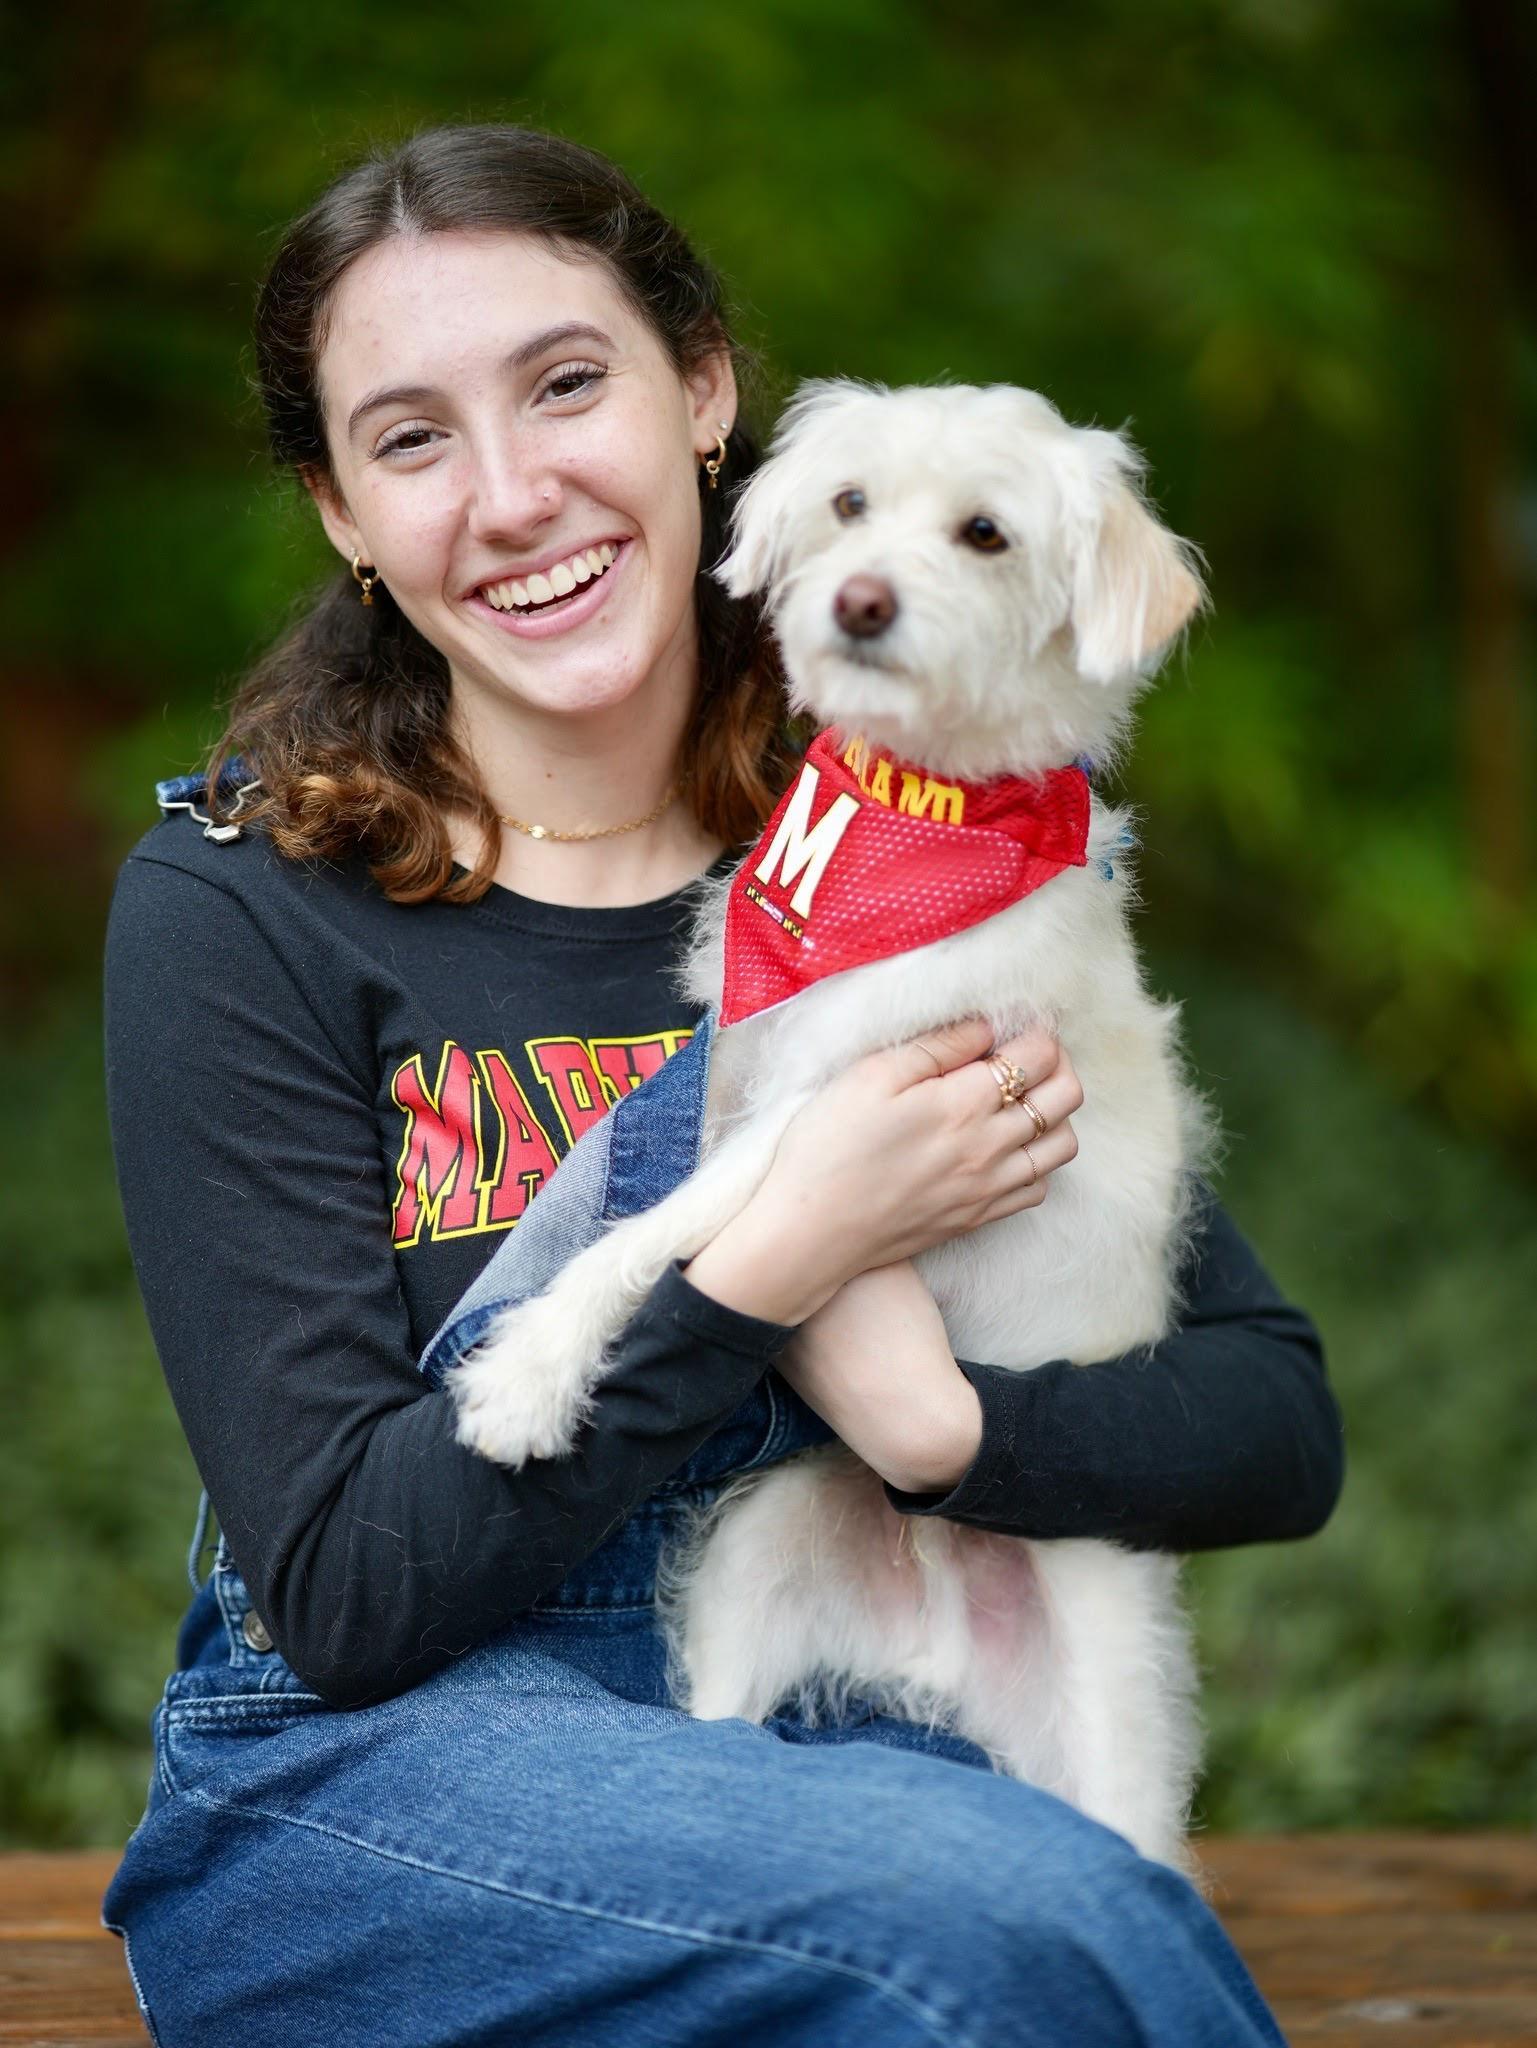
{"points": [[345, 720]]}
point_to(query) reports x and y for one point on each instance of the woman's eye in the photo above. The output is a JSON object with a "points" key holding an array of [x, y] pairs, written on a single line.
{"points": [[849, 504], [579, 375], [403, 439], [983, 534]]}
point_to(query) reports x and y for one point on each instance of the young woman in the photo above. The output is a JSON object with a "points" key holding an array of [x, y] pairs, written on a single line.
{"points": [[418, 1775]]}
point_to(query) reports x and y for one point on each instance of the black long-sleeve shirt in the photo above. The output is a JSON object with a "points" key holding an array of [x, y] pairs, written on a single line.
{"points": [[325, 1109]]}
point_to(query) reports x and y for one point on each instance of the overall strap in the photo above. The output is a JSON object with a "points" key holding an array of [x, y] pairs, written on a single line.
{"points": [[185, 792]]}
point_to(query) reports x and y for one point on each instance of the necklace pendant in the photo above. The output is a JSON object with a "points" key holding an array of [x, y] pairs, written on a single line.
{"points": [[537, 832]]}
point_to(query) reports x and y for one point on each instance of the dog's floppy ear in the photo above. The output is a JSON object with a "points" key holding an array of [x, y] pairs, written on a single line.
{"points": [[762, 518], [758, 530], [1135, 583]]}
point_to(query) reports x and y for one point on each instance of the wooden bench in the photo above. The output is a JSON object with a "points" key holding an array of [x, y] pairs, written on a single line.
{"points": [[1391, 1941]]}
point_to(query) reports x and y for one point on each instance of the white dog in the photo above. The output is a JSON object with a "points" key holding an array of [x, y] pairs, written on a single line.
{"points": [[1027, 592]]}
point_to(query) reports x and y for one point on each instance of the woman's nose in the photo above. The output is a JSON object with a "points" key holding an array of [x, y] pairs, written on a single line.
{"points": [[512, 490]]}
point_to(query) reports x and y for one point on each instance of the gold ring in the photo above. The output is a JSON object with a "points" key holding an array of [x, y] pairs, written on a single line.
{"points": [[1040, 1121], [1003, 1074], [1035, 1171], [1012, 1081]]}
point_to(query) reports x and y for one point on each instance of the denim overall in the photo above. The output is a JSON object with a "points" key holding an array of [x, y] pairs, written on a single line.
{"points": [[535, 1845]]}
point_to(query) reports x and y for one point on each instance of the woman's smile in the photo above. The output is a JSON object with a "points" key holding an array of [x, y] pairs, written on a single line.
{"points": [[556, 613]]}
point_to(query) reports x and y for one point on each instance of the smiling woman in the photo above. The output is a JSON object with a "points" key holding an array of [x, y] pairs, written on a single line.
{"points": [[420, 1772]]}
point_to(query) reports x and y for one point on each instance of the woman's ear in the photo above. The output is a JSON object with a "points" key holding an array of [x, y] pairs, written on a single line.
{"points": [[712, 393], [1135, 584], [334, 517]]}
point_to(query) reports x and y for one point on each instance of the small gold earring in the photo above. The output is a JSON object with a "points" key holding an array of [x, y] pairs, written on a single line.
{"points": [[715, 461], [367, 577]]}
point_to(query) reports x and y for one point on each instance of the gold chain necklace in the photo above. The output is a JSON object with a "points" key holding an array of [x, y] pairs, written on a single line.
{"points": [[606, 832]]}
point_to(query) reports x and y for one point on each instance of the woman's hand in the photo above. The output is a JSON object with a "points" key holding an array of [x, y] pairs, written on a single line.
{"points": [[876, 1365], [904, 1149]]}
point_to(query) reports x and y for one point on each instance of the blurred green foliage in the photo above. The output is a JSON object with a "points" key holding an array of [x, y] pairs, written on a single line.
{"points": [[1384, 1672], [1292, 244]]}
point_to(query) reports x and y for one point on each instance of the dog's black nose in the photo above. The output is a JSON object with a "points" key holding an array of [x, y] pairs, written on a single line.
{"points": [[865, 606]]}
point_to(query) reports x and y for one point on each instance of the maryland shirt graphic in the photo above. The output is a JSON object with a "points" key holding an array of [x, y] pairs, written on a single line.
{"points": [[475, 1149]]}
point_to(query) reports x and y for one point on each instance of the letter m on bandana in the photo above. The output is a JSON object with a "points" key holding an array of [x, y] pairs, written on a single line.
{"points": [[800, 850]]}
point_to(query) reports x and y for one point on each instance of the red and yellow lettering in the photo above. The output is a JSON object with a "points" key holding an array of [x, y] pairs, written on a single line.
{"points": [[438, 1171], [945, 802], [525, 1158], [565, 1067], [454, 1175], [623, 1063]]}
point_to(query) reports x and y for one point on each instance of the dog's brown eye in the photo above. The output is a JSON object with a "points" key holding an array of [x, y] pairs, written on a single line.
{"points": [[983, 534], [849, 504]]}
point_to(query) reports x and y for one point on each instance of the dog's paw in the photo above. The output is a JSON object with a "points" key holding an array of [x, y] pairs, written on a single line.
{"points": [[522, 1393]]}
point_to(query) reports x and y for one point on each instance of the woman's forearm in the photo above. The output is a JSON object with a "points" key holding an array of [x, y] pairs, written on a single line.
{"points": [[876, 1365], [760, 1265]]}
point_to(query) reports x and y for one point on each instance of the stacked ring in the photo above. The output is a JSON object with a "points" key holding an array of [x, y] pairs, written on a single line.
{"points": [[1012, 1086]]}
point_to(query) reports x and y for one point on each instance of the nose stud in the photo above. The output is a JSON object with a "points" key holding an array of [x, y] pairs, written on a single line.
{"points": [[865, 606]]}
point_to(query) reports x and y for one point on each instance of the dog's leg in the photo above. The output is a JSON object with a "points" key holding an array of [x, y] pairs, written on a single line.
{"points": [[525, 1390], [742, 1626], [1120, 1683], [801, 1587]]}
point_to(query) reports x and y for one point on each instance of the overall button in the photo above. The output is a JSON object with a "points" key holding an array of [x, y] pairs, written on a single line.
{"points": [[254, 1629]]}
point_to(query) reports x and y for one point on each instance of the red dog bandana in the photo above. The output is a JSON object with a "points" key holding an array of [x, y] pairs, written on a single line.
{"points": [[866, 857]]}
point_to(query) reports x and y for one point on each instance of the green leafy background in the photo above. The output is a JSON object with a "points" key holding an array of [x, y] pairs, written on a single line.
{"points": [[1290, 243]]}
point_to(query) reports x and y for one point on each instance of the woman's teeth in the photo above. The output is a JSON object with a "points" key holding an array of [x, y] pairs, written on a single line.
{"points": [[558, 582]]}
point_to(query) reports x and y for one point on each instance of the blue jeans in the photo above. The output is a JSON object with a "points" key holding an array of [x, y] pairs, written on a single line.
{"points": [[536, 1846]]}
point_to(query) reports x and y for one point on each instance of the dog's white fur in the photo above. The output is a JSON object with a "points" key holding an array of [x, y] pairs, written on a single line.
{"points": [[1068, 1661]]}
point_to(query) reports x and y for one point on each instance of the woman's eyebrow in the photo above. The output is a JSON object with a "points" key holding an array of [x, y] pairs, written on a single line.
{"points": [[524, 353]]}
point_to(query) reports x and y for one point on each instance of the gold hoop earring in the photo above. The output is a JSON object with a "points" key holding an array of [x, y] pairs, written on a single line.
{"points": [[367, 577], [713, 466]]}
